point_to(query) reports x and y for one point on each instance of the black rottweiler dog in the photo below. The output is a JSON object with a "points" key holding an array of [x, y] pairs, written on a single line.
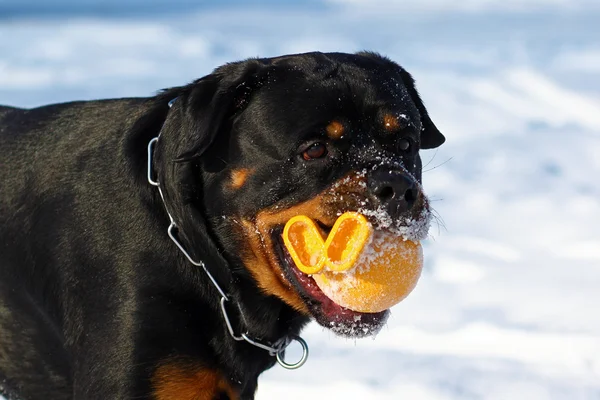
{"points": [[96, 302]]}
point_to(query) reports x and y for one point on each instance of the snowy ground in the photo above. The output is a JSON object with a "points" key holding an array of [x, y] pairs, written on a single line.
{"points": [[507, 307]]}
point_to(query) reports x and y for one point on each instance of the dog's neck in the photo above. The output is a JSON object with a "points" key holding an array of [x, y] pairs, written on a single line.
{"points": [[260, 331]]}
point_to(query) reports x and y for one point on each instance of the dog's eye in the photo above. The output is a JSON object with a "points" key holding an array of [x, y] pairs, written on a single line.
{"points": [[316, 150], [404, 145]]}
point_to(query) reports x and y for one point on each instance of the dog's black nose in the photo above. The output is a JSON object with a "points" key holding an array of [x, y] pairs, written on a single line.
{"points": [[396, 190]]}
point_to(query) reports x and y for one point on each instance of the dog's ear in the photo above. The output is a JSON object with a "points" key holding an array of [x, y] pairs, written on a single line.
{"points": [[206, 105], [431, 137], [201, 112]]}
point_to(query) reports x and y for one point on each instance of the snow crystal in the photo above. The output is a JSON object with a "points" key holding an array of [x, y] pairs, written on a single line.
{"points": [[357, 328], [414, 229]]}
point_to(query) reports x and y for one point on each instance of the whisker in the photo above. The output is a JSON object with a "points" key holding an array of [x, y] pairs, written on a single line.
{"points": [[439, 165], [431, 159], [441, 225], [439, 222], [224, 162]]}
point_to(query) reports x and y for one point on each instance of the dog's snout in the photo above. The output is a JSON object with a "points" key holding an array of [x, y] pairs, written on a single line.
{"points": [[396, 190]]}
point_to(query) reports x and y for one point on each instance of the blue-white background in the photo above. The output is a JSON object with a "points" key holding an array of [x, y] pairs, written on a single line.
{"points": [[508, 306]]}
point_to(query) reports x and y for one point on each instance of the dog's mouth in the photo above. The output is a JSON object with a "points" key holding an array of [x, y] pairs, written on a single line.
{"points": [[339, 319], [300, 290]]}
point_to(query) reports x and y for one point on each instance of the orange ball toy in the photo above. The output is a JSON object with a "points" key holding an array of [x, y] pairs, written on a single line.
{"points": [[358, 268]]}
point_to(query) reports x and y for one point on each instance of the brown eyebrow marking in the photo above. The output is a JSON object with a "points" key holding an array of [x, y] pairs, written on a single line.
{"points": [[335, 129], [239, 177], [391, 122]]}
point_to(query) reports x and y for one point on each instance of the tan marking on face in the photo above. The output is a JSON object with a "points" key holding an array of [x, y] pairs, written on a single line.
{"points": [[335, 130], [239, 177], [260, 257], [184, 380], [391, 123]]}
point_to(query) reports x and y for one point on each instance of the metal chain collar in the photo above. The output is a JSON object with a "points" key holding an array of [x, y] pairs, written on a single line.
{"points": [[277, 349]]}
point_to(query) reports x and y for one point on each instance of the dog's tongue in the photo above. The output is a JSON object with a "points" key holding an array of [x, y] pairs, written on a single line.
{"points": [[385, 273]]}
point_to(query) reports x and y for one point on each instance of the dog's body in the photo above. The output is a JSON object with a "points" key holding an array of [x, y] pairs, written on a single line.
{"points": [[97, 303]]}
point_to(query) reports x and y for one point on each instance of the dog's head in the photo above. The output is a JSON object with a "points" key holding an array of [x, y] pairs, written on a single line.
{"points": [[262, 140]]}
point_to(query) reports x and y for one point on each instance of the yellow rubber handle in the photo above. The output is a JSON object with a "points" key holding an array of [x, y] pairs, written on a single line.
{"points": [[339, 252], [305, 244], [345, 242]]}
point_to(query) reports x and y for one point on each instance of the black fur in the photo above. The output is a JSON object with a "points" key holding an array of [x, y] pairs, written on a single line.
{"points": [[93, 294]]}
